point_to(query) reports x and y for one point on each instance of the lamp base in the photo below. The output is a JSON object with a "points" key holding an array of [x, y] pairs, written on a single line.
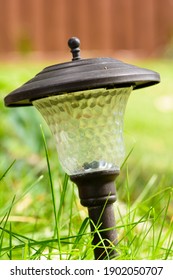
{"points": [[97, 192]]}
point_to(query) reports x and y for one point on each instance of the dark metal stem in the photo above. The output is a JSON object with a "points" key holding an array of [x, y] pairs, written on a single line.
{"points": [[105, 237], [97, 192]]}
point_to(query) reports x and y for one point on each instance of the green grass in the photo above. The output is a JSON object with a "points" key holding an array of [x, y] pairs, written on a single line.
{"points": [[40, 213]]}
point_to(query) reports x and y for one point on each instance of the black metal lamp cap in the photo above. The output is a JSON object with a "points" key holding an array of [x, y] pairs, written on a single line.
{"points": [[74, 44], [81, 74]]}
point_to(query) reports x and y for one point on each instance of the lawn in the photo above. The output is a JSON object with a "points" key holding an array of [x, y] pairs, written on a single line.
{"points": [[40, 213]]}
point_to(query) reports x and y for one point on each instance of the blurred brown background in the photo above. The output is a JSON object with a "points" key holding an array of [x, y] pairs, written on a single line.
{"points": [[143, 27]]}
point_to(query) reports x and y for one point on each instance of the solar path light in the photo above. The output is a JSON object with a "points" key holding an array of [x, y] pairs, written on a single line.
{"points": [[83, 102]]}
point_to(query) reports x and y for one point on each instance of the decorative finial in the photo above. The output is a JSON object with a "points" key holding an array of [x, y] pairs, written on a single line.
{"points": [[74, 44]]}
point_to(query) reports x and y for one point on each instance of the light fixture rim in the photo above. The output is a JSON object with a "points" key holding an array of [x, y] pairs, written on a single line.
{"points": [[80, 75]]}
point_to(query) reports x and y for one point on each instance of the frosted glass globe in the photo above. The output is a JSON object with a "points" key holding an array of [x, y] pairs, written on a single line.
{"points": [[88, 128]]}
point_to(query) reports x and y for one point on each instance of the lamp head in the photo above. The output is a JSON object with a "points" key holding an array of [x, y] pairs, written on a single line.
{"points": [[81, 74], [83, 102]]}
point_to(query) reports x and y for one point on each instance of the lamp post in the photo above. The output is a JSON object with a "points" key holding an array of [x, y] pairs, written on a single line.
{"points": [[83, 102]]}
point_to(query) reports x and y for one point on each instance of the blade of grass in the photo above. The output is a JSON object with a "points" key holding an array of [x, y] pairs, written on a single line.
{"points": [[62, 198], [10, 243], [163, 221], [81, 233], [170, 241], [169, 251], [145, 191], [56, 230], [161, 192], [5, 223], [128, 155], [26, 251], [7, 170], [71, 212], [101, 243]]}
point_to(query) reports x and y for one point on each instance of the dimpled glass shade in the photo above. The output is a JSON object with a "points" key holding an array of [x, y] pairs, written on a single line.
{"points": [[88, 128]]}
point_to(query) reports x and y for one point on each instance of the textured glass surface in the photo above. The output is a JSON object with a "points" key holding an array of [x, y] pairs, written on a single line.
{"points": [[88, 128]]}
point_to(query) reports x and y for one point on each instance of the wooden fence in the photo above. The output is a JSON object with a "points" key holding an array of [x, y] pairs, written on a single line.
{"points": [[46, 25]]}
